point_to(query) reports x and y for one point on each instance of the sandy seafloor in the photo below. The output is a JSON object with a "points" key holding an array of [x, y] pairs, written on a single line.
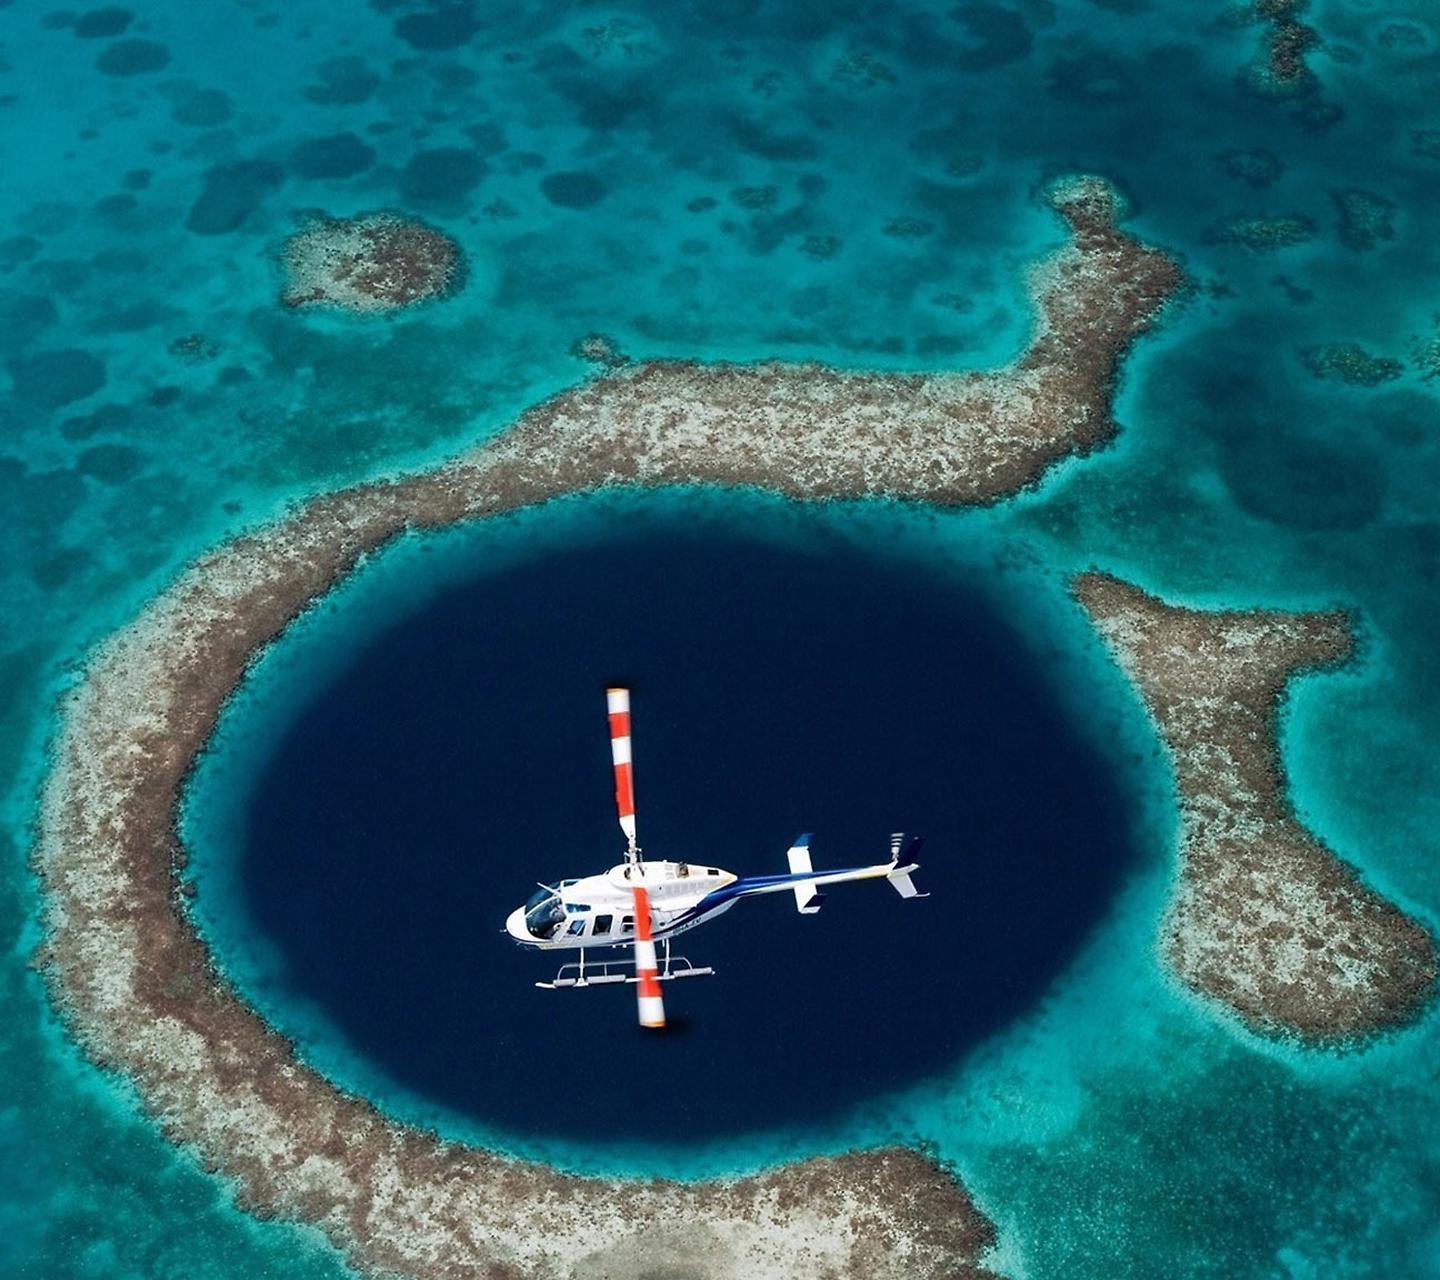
{"points": [[1120, 1129]]}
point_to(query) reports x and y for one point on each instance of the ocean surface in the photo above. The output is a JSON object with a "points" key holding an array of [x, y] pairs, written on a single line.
{"points": [[854, 183]]}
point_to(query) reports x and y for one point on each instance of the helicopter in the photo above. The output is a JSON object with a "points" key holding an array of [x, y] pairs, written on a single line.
{"points": [[637, 904]]}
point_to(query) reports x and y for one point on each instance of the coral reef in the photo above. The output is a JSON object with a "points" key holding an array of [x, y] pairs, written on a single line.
{"points": [[1425, 143], [1365, 218], [1263, 235], [1257, 168], [136, 983], [193, 348], [376, 262], [821, 247], [1280, 69], [1425, 351], [908, 228], [1265, 918], [599, 348], [1350, 363]]}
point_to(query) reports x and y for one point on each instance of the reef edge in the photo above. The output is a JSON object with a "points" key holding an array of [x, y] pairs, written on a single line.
{"points": [[1265, 918]]}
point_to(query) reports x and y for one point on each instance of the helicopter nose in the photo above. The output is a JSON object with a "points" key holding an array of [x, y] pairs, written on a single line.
{"points": [[515, 926]]}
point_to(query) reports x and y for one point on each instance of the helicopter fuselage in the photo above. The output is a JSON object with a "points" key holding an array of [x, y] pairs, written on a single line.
{"points": [[599, 910]]}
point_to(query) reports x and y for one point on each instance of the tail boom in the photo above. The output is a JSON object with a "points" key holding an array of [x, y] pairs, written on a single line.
{"points": [[805, 882]]}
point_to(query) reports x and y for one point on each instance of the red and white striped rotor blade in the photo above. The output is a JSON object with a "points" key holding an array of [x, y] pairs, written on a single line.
{"points": [[647, 972], [618, 703]]}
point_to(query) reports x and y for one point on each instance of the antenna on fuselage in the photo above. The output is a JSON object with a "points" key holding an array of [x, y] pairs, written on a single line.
{"points": [[618, 703]]}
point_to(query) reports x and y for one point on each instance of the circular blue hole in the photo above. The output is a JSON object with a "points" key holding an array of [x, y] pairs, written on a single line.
{"points": [[781, 684]]}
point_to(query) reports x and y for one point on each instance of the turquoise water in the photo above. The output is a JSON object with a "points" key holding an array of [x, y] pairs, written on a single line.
{"points": [[1120, 1129]]}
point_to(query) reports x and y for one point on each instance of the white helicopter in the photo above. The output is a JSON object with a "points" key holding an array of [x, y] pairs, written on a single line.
{"points": [[639, 903]]}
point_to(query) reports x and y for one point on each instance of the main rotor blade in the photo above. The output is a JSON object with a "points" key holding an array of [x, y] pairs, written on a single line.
{"points": [[651, 1003], [618, 703]]}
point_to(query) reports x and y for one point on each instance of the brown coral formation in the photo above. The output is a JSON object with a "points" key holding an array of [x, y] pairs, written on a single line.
{"points": [[1282, 68], [599, 348], [1365, 218], [1262, 234], [136, 983], [1350, 363], [1265, 917], [811, 431], [375, 263]]}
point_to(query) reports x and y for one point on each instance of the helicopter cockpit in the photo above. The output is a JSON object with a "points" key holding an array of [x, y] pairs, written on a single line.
{"points": [[544, 913]]}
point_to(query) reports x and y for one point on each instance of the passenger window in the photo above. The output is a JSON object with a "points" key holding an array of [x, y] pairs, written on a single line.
{"points": [[602, 924], [627, 923], [576, 928], [714, 871]]}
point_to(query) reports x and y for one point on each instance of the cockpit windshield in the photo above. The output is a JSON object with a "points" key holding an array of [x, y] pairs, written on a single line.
{"points": [[544, 913]]}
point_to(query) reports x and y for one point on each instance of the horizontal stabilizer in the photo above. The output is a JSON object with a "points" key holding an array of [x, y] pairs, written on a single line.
{"points": [[904, 864], [905, 886], [808, 898]]}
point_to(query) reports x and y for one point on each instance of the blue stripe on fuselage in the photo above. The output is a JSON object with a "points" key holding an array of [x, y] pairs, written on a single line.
{"points": [[748, 885]]}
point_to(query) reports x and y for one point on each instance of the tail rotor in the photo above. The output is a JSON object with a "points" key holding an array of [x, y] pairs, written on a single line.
{"points": [[903, 864]]}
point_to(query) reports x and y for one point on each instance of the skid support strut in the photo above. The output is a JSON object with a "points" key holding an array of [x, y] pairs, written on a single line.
{"points": [[603, 972]]}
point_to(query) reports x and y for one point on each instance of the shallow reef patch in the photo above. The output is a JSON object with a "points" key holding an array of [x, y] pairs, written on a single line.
{"points": [[1265, 918], [96, 24], [573, 190], [1263, 233], [26, 315], [992, 35], [339, 155], [16, 251], [441, 27], [1365, 218], [133, 58], [376, 262], [1257, 167], [109, 463], [232, 192], [1280, 67], [50, 379], [1350, 363], [201, 108], [343, 81], [1306, 484], [441, 176]]}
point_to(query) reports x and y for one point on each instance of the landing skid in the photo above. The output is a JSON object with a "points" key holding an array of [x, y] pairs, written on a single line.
{"points": [[600, 972]]}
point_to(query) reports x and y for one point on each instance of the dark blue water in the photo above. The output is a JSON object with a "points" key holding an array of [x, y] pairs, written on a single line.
{"points": [[778, 688]]}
